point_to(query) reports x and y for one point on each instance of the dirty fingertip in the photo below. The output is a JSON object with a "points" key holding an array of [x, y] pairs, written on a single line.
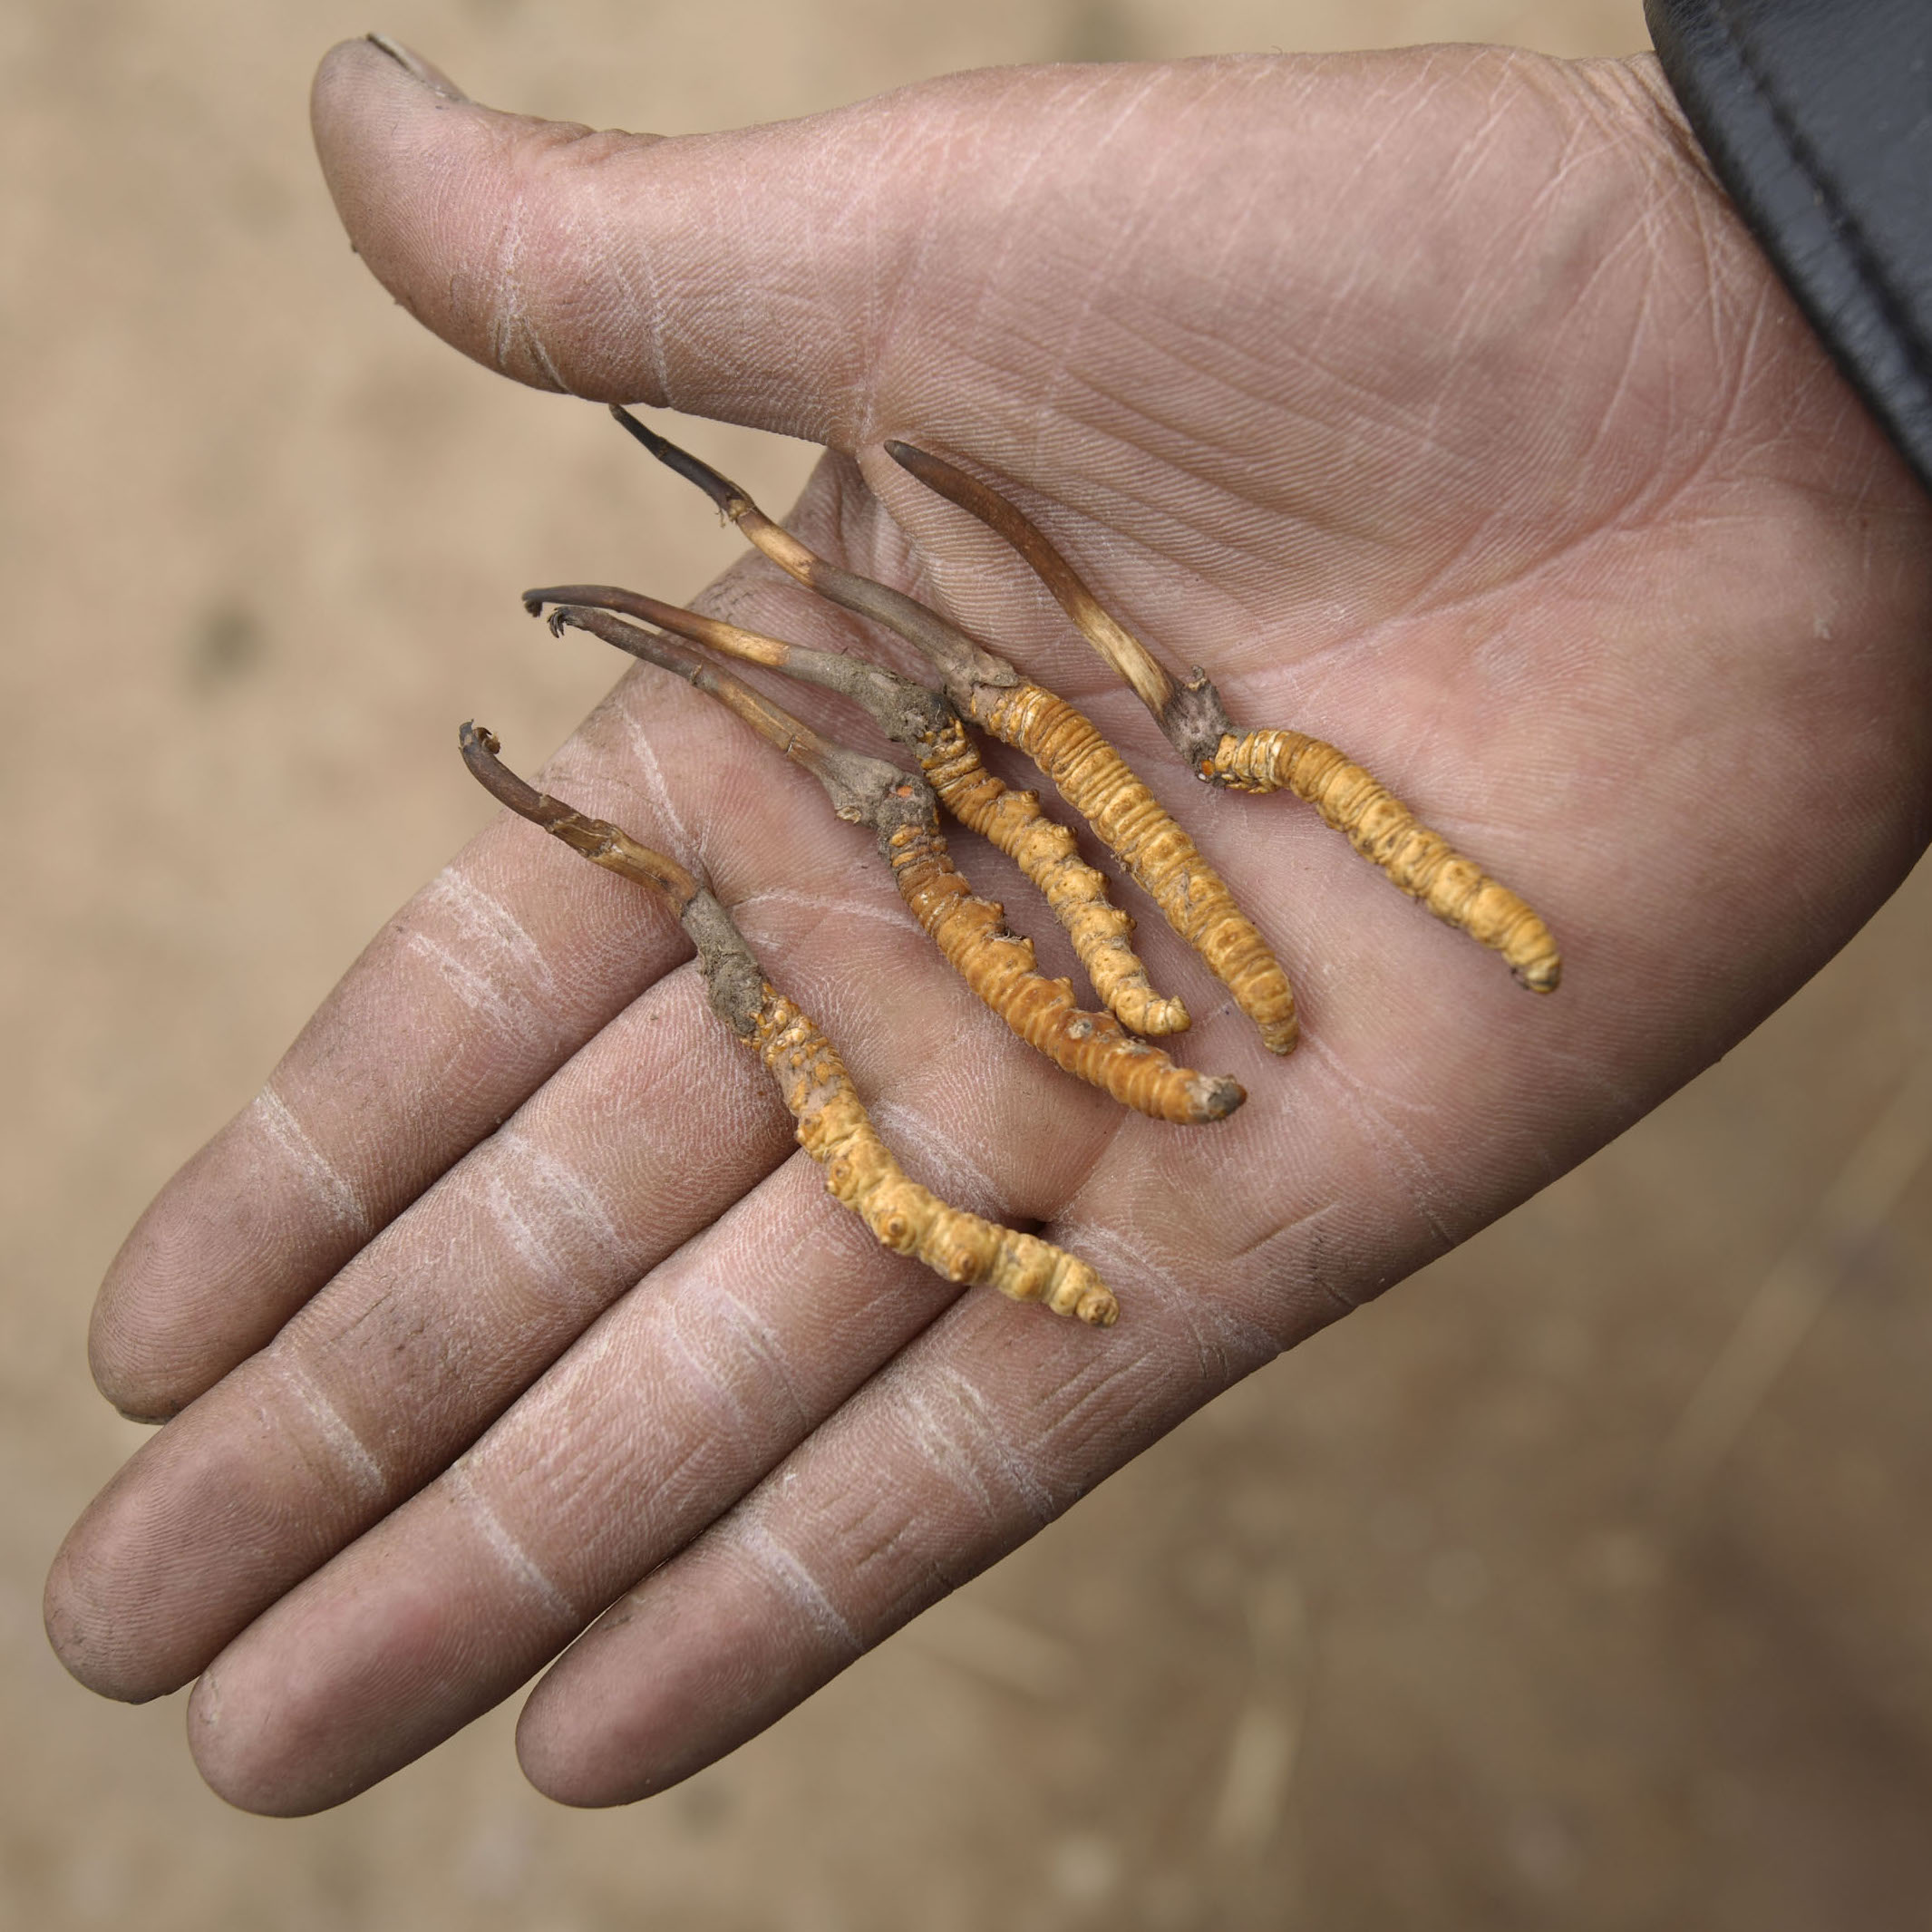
{"points": [[413, 63]]}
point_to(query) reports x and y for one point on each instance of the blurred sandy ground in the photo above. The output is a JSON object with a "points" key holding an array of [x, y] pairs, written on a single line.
{"points": [[1396, 1634]]}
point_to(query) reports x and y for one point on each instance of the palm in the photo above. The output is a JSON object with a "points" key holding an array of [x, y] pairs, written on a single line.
{"points": [[1436, 405]]}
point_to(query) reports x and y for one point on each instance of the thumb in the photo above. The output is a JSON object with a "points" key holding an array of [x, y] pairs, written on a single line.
{"points": [[726, 274]]}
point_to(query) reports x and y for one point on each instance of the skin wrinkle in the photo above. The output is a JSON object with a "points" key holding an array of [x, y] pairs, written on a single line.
{"points": [[543, 359], [1009, 216], [506, 304], [326, 1183], [762, 1344], [825, 259], [1103, 270], [1478, 299], [1708, 268], [823, 906], [527, 1185], [798, 939], [205, 1710], [487, 926], [1127, 1265], [781, 1566], [1472, 150], [557, 1460], [1399, 425], [334, 1339], [1124, 425], [1212, 270], [907, 287], [1228, 1346], [635, 1336], [1424, 743], [458, 1486], [1312, 1216], [1375, 635], [879, 278], [945, 1458], [686, 850], [506, 1008], [564, 209], [1643, 325], [1739, 381], [1649, 503], [1146, 1286], [1432, 1202], [1240, 486], [1553, 192], [980, 1429], [1096, 1405], [915, 1574], [1195, 613], [627, 268], [827, 1232], [1778, 443], [690, 1331], [508, 321], [916, 1577], [349, 1459], [1545, 201], [671, 1511], [1106, 1390], [1406, 92]]}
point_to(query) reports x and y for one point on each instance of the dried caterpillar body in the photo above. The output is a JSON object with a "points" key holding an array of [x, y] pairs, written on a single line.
{"points": [[1045, 851], [1381, 828], [833, 1126], [1094, 781], [1422, 863], [835, 1129], [999, 967]]}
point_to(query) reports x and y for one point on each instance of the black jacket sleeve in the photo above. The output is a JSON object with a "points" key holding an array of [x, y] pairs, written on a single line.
{"points": [[1817, 116]]}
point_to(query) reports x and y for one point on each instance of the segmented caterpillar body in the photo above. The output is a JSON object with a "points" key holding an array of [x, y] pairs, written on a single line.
{"points": [[1045, 851], [1095, 781], [835, 1129], [1421, 862], [1000, 967]]}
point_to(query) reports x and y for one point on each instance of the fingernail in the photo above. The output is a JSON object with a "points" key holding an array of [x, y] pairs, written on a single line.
{"points": [[413, 63]]}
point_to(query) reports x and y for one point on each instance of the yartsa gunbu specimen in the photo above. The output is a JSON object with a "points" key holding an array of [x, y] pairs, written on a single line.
{"points": [[1109, 1049], [833, 1126]]}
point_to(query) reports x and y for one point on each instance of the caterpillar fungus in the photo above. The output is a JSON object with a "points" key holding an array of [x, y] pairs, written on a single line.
{"points": [[833, 1126], [1089, 773], [1379, 825], [925, 722], [969, 931]]}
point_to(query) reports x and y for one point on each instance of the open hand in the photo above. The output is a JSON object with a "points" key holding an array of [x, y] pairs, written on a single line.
{"points": [[1437, 405]]}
